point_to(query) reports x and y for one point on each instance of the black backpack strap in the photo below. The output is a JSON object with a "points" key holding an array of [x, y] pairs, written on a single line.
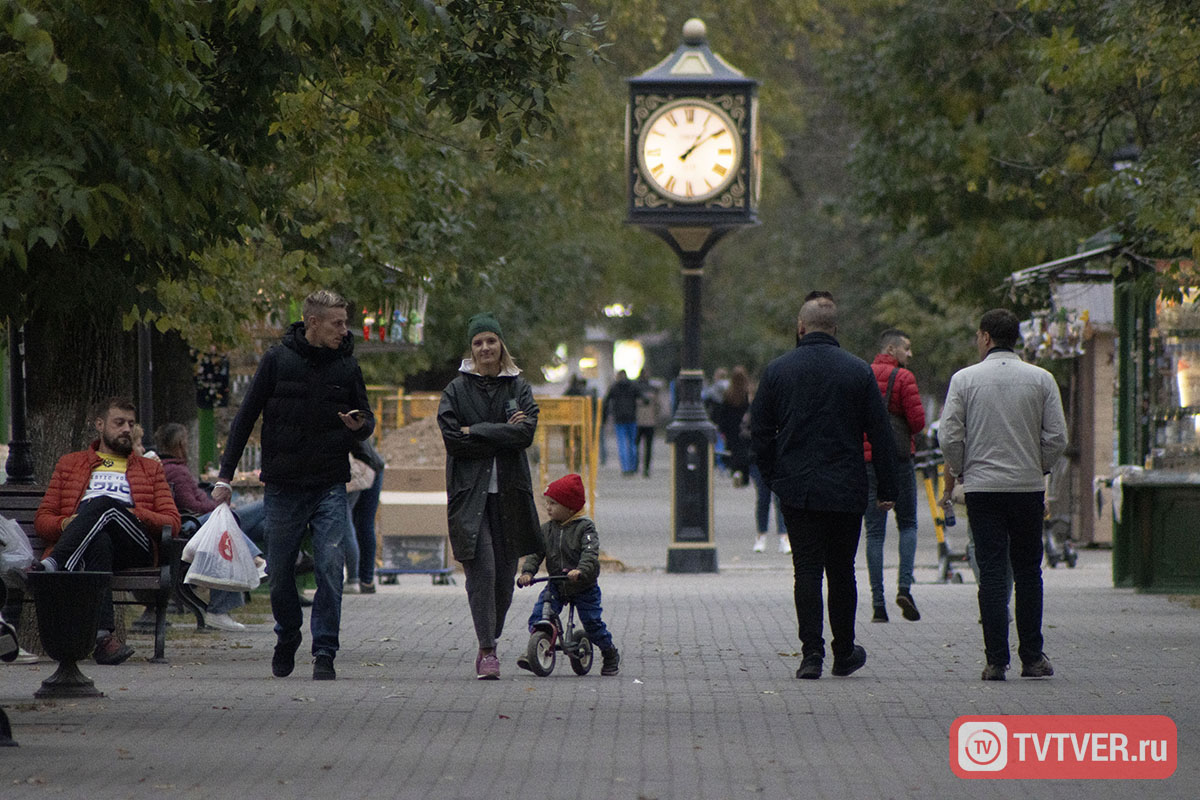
{"points": [[887, 397]]}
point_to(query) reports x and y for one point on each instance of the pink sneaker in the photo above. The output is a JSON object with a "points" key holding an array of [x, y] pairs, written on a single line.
{"points": [[488, 668]]}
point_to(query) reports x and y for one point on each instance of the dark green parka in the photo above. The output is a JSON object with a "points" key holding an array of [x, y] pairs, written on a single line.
{"points": [[570, 545], [477, 402]]}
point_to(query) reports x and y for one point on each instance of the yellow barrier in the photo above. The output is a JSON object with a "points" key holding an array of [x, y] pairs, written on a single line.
{"points": [[573, 417]]}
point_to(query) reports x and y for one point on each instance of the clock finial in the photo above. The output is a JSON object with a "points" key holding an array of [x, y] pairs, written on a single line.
{"points": [[694, 32]]}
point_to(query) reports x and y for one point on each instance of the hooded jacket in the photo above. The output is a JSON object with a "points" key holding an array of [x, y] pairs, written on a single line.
{"points": [[565, 546], [152, 501], [299, 390], [477, 402]]}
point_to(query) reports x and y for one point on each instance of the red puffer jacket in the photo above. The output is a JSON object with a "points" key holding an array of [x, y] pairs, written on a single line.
{"points": [[906, 399], [153, 504]]}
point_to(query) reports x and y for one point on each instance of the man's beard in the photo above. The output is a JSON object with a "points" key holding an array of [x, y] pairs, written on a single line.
{"points": [[121, 446]]}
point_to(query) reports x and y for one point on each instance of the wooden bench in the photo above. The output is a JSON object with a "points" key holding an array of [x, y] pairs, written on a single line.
{"points": [[20, 503]]}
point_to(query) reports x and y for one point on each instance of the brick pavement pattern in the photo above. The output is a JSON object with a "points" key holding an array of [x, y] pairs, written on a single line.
{"points": [[705, 706]]}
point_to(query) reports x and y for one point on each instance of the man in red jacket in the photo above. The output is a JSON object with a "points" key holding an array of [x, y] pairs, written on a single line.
{"points": [[908, 416], [103, 511]]}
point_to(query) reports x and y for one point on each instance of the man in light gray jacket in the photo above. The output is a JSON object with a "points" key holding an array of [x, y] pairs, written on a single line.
{"points": [[1002, 429]]}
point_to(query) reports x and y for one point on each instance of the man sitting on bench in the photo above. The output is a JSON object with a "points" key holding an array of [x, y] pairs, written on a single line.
{"points": [[103, 511]]}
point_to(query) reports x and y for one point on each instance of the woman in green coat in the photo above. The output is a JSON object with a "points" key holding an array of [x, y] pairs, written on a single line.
{"points": [[488, 417]]}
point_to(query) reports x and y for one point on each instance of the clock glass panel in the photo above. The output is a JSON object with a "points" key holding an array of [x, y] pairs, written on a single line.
{"points": [[689, 150]]}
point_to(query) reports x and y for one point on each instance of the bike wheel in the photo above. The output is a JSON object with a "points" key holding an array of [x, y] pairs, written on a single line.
{"points": [[540, 653], [582, 661]]}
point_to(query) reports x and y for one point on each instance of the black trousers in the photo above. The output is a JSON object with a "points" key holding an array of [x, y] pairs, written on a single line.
{"points": [[1008, 529], [824, 543], [105, 535]]}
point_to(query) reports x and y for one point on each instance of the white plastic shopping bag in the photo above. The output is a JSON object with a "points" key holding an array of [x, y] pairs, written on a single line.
{"points": [[15, 552], [220, 556]]}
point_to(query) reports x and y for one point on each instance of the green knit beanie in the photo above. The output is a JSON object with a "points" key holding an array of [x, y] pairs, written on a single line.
{"points": [[483, 321]]}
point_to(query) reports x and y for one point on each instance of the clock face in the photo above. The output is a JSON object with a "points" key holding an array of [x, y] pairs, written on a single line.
{"points": [[689, 151]]}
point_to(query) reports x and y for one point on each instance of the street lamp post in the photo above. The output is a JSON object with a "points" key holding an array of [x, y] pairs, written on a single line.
{"points": [[692, 169]]}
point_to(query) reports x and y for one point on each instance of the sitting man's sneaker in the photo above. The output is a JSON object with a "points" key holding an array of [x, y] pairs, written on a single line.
{"points": [[810, 668], [844, 666], [323, 668], [880, 614], [110, 650], [612, 661], [908, 609], [489, 668], [284, 660], [994, 672], [1037, 669], [223, 622]]}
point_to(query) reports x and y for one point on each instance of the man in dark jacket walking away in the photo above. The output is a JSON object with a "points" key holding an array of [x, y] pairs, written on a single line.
{"points": [[807, 422], [898, 387], [310, 393]]}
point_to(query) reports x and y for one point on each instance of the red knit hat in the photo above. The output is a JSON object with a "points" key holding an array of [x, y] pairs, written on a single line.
{"points": [[568, 491]]}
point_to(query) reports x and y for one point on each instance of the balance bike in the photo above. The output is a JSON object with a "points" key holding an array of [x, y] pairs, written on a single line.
{"points": [[549, 637]]}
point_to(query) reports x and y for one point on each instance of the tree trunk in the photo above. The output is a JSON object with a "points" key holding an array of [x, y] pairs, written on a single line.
{"points": [[75, 365]]}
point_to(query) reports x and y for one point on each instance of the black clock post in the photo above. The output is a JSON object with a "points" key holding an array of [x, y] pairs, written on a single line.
{"points": [[692, 168]]}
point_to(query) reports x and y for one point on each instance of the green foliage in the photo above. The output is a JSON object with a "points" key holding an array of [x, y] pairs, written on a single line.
{"points": [[988, 130], [193, 163]]}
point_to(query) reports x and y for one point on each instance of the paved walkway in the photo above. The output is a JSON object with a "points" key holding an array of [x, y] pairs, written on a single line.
{"points": [[706, 705]]}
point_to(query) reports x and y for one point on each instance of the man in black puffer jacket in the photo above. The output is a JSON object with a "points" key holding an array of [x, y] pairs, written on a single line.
{"points": [[310, 393]]}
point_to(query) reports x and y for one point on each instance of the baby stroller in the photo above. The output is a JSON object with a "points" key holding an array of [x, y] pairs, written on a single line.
{"points": [[1056, 528]]}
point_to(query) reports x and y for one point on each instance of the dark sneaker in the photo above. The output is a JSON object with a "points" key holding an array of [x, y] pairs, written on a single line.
{"points": [[994, 672], [612, 661], [810, 668], [284, 660], [522, 662], [844, 666], [1037, 669], [110, 650], [880, 614], [488, 668], [323, 668], [908, 609], [367, 588]]}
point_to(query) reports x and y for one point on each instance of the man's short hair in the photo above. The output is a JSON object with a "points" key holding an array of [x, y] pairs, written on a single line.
{"points": [[322, 301], [119, 402], [818, 294], [819, 314], [1002, 325], [892, 336]]}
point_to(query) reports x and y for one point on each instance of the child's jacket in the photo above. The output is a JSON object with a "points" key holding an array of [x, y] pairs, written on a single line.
{"points": [[571, 545]]}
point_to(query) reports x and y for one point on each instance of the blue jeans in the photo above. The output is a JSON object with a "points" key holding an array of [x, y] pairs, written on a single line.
{"points": [[360, 545], [1008, 530], [762, 503], [291, 513], [627, 445], [587, 605], [876, 525]]}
